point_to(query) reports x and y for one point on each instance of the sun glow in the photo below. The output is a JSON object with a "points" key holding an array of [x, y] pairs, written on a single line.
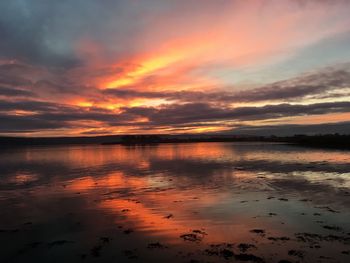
{"points": [[85, 104], [142, 70]]}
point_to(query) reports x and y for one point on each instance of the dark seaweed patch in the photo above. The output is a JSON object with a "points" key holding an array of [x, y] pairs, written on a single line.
{"points": [[128, 231], [96, 251], [278, 238], [58, 243], [156, 245], [334, 228], [244, 246], [296, 253]]}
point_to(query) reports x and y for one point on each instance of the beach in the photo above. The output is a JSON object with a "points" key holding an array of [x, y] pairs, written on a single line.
{"points": [[198, 202]]}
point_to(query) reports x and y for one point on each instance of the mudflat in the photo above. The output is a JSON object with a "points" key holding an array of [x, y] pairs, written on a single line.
{"points": [[198, 202]]}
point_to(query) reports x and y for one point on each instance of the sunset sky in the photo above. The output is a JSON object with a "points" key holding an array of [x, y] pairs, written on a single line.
{"points": [[84, 67]]}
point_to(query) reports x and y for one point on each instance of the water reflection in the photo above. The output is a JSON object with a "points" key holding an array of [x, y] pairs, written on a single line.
{"points": [[72, 201]]}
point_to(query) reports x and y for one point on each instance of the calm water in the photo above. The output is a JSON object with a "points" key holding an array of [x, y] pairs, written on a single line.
{"points": [[202, 202]]}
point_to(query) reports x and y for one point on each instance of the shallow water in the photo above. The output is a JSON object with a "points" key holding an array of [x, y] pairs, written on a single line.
{"points": [[200, 202]]}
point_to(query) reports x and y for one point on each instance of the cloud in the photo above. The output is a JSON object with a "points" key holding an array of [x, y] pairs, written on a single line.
{"points": [[37, 33], [39, 116], [202, 112], [51, 85], [20, 124], [292, 129], [14, 74], [11, 92], [315, 84], [30, 105], [184, 110], [32, 32], [43, 115], [311, 84]]}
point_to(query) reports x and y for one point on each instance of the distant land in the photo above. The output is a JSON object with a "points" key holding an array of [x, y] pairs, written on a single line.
{"points": [[293, 129], [324, 141]]}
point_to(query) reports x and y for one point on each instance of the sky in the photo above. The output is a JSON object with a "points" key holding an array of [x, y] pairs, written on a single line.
{"points": [[87, 67]]}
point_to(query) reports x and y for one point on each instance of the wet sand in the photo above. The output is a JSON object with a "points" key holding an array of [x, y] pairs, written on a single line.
{"points": [[202, 202]]}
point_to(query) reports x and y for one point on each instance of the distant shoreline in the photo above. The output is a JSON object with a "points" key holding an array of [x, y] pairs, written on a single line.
{"points": [[320, 141]]}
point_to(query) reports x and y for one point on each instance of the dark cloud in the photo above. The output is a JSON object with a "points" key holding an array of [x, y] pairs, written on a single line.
{"points": [[325, 83], [30, 31], [315, 84], [45, 115], [14, 74], [17, 124], [49, 33], [28, 80], [12, 92], [195, 108], [319, 82], [64, 87], [291, 129], [29, 105], [202, 112]]}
